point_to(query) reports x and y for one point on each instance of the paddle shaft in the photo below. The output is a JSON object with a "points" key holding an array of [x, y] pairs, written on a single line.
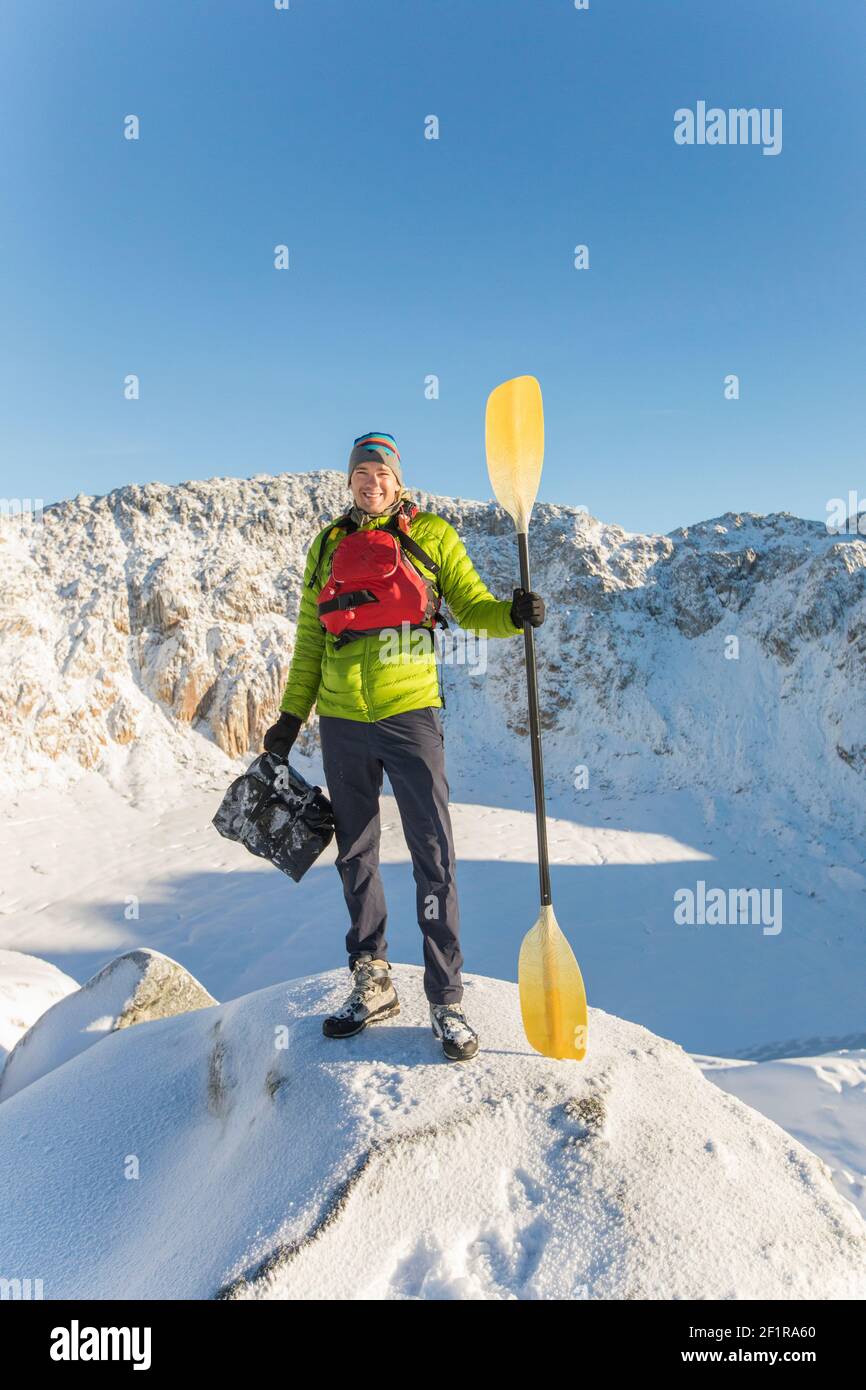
{"points": [[534, 730]]}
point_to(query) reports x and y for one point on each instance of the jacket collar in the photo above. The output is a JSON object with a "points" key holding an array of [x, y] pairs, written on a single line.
{"points": [[362, 518]]}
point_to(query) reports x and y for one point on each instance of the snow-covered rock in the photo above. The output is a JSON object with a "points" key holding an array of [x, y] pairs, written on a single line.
{"points": [[28, 986], [237, 1152], [156, 624], [137, 987]]}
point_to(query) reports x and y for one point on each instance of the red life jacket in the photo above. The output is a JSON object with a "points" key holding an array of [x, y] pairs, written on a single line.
{"points": [[373, 584]]}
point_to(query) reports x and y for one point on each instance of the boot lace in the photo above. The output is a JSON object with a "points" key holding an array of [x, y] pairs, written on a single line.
{"points": [[364, 989]]}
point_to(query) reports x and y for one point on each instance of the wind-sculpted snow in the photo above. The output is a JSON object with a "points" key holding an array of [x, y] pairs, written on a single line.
{"points": [[156, 623], [236, 1153]]}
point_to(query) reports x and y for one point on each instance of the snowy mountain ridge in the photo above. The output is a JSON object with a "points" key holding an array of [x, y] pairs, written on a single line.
{"points": [[155, 625]]}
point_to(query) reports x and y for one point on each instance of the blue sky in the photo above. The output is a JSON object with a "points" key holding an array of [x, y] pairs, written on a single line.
{"points": [[411, 257]]}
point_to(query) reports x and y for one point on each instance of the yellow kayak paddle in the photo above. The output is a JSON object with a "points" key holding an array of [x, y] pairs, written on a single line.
{"points": [[552, 995]]}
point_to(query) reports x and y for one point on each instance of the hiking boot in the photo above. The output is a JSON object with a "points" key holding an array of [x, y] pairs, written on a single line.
{"points": [[459, 1041], [373, 999]]}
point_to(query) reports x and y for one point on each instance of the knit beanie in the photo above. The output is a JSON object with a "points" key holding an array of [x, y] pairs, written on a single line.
{"points": [[376, 447]]}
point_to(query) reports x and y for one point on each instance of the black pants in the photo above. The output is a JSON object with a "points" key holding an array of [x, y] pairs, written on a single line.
{"points": [[410, 747]]}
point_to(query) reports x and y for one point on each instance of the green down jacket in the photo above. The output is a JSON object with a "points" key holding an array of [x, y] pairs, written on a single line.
{"points": [[353, 682]]}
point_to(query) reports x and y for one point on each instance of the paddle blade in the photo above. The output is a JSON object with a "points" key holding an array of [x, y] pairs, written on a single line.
{"points": [[552, 996], [515, 445]]}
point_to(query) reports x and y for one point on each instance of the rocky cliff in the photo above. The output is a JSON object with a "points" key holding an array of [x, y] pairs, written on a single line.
{"points": [[729, 656]]}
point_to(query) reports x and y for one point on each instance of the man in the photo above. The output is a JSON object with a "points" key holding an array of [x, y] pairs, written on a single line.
{"points": [[380, 714]]}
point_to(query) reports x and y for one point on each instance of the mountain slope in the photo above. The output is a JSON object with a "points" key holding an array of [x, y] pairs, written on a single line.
{"points": [[155, 625]]}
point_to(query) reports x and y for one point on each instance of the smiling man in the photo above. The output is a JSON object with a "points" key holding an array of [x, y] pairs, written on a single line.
{"points": [[381, 570]]}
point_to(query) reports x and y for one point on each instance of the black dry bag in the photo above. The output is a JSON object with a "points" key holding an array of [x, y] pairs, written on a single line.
{"points": [[275, 814]]}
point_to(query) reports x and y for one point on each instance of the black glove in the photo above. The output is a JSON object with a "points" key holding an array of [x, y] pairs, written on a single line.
{"points": [[280, 737], [527, 606]]}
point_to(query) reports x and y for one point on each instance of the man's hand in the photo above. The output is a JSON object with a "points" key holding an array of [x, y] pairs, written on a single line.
{"points": [[280, 736], [527, 606]]}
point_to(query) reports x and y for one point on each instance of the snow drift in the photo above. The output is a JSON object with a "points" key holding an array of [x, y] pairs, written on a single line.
{"points": [[235, 1152], [821, 1100], [28, 986]]}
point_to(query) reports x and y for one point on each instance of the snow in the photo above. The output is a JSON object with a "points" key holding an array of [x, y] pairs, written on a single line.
{"points": [[144, 643], [154, 627], [28, 987], [130, 989], [109, 875], [71, 1025], [195, 1150], [819, 1100]]}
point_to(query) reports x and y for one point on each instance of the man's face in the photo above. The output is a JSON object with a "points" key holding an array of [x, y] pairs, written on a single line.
{"points": [[374, 486]]}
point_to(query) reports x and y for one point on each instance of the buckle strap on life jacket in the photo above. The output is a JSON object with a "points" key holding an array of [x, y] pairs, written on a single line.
{"points": [[344, 601], [352, 634]]}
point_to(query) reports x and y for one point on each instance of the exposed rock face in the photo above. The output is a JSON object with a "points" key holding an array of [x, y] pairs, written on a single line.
{"points": [[161, 615], [135, 987]]}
